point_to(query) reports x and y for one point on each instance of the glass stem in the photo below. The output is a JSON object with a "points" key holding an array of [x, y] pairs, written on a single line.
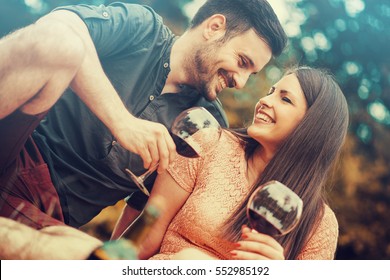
{"points": [[147, 173]]}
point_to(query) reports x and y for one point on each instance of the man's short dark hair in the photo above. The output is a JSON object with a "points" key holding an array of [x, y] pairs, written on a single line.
{"points": [[242, 15]]}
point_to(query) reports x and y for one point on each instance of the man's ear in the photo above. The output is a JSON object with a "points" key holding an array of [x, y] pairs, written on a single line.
{"points": [[214, 27]]}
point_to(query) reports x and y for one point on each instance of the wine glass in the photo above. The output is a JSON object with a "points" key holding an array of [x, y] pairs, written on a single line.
{"points": [[195, 132], [274, 209]]}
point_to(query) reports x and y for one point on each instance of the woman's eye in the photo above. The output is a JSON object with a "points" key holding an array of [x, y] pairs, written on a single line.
{"points": [[286, 99]]}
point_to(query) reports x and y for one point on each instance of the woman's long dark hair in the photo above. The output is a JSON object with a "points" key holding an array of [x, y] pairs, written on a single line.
{"points": [[304, 159]]}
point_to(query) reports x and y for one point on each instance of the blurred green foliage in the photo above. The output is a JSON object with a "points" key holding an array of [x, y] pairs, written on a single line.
{"points": [[348, 37]]}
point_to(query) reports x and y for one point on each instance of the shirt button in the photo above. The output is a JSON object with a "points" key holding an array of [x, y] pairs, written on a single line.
{"points": [[151, 98], [166, 65], [113, 143], [105, 14]]}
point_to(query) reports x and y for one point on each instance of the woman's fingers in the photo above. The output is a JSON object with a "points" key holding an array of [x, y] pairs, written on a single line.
{"points": [[256, 245]]}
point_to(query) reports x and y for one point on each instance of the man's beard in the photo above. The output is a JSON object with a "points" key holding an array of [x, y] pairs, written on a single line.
{"points": [[204, 71]]}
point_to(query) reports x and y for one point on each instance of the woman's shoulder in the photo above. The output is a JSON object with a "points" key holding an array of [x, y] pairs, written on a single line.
{"points": [[231, 138], [229, 145], [329, 215], [323, 243], [328, 230], [329, 219], [329, 224]]}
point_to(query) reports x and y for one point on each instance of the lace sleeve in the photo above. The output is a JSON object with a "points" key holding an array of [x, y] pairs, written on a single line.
{"points": [[184, 171], [322, 245]]}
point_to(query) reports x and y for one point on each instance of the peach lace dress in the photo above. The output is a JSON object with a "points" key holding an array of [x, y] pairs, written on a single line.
{"points": [[216, 185]]}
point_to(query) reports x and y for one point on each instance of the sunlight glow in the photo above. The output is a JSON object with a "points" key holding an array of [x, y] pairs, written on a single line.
{"points": [[35, 5], [363, 92], [352, 68], [288, 14], [379, 112], [308, 44], [322, 41], [364, 89], [364, 133], [273, 73], [192, 7], [340, 24], [354, 7]]}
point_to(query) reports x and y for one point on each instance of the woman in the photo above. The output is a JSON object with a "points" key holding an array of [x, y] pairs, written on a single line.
{"points": [[297, 133]]}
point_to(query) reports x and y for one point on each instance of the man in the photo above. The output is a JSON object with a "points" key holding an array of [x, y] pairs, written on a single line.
{"points": [[125, 77]]}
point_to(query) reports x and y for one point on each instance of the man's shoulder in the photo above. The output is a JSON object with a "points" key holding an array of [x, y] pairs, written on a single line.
{"points": [[120, 27], [123, 11]]}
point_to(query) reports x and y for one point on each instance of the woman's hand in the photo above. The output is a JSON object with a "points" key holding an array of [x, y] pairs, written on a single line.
{"points": [[257, 246]]}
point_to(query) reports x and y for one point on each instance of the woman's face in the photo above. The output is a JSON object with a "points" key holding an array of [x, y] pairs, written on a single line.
{"points": [[278, 114]]}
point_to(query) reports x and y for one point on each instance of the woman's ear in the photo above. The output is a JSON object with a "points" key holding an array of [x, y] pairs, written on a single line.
{"points": [[214, 27]]}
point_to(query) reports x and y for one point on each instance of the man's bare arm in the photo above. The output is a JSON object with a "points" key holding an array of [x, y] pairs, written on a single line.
{"points": [[150, 140], [19, 241], [43, 59]]}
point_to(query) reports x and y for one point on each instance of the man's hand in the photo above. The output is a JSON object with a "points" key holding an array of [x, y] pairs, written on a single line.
{"points": [[148, 139], [55, 242]]}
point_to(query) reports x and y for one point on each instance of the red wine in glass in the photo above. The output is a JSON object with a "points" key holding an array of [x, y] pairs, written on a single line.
{"points": [[195, 132], [262, 225], [183, 148], [274, 209]]}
